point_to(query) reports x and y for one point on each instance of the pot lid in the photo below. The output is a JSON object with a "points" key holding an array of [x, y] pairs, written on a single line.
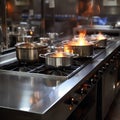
{"points": [[31, 45], [27, 45]]}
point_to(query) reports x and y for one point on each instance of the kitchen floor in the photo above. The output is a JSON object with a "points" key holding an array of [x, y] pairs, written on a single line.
{"points": [[114, 113]]}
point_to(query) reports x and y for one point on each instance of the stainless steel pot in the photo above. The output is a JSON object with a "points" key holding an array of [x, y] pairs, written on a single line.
{"points": [[79, 50], [52, 60], [101, 43], [29, 52], [83, 51]]}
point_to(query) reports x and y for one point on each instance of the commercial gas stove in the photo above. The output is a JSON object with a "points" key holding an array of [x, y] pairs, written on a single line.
{"points": [[38, 91], [41, 68]]}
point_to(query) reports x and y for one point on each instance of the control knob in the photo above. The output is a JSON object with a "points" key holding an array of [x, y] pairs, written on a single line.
{"points": [[71, 102], [107, 64], [94, 79], [111, 60], [83, 90], [87, 85]]}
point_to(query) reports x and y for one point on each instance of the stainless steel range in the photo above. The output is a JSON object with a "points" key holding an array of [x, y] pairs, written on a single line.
{"points": [[37, 91], [40, 67]]}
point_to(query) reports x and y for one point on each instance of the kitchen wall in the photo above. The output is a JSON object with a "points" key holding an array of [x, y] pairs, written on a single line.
{"points": [[61, 14], [112, 11]]}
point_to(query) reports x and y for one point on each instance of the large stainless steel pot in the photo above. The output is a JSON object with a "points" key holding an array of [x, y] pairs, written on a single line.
{"points": [[29, 52], [53, 60], [83, 51], [80, 50]]}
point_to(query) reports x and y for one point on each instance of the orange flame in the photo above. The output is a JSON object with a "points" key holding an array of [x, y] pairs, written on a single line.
{"points": [[81, 40], [58, 54], [68, 49], [78, 41], [100, 36]]}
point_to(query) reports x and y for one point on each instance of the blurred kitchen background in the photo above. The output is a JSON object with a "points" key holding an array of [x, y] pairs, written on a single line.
{"points": [[38, 18]]}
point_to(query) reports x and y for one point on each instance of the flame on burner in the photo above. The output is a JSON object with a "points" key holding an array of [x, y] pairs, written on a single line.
{"points": [[100, 36], [68, 49], [58, 54], [81, 40], [77, 41]]}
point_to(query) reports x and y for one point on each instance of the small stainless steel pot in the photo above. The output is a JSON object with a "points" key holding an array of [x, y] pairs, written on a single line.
{"points": [[101, 43], [29, 52], [52, 60]]}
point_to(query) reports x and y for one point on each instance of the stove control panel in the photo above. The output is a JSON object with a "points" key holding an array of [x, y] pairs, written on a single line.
{"points": [[82, 99], [81, 92]]}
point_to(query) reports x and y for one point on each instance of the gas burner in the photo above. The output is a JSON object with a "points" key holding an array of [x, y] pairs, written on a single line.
{"points": [[81, 60], [41, 68], [20, 66], [51, 70], [22, 69]]}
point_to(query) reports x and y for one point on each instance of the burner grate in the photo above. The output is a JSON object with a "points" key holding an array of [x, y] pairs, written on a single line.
{"points": [[51, 70], [42, 68]]}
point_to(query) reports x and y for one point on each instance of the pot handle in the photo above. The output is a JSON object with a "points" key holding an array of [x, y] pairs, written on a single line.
{"points": [[65, 42], [75, 55], [42, 55]]}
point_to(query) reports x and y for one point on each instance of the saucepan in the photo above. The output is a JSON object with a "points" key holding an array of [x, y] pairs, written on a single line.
{"points": [[80, 50], [101, 43], [29, 52], [99, 40], [57, 59]]}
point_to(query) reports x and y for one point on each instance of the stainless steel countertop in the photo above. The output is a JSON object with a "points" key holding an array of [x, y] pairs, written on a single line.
{"points": [[38, 93], [27, 92]]}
